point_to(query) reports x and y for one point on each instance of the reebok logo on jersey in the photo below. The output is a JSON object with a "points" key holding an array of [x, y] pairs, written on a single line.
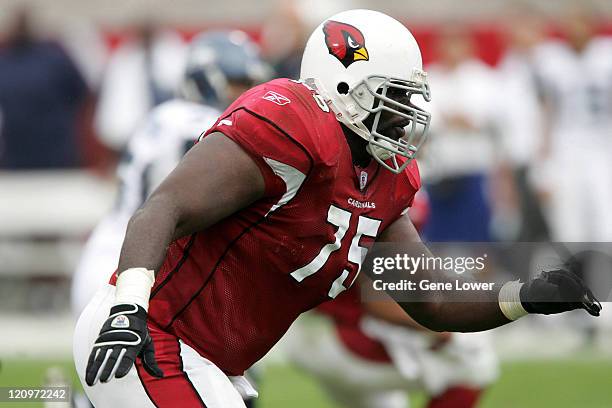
{"points": [[361, 204], [226, 122], [276, 98], [120, 322]]}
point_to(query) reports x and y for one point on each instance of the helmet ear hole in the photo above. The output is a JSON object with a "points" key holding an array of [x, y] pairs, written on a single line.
{"points": [[342, 88]]}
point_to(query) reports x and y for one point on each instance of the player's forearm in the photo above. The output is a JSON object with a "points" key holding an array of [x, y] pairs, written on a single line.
{"points": [[446, 310], [457, 311], [149, 232], [457, 316], [551, 292]]}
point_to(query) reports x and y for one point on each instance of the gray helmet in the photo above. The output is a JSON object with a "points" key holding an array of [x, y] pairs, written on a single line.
{"points": [[216, 58]]}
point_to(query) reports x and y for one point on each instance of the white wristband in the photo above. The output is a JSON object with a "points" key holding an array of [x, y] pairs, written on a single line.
{"points": [[134, 286], [510, 300]]}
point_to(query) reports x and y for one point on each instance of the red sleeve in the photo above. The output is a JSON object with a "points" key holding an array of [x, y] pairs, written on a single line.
{"points": [[409, 186], [419, 211], [264, 140]]}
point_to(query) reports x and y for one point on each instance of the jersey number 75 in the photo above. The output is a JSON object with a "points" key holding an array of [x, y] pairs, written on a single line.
{"points": [[341, 219]]}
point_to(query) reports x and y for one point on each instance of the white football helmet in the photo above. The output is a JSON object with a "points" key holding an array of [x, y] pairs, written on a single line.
{"points": [[353, 59]]}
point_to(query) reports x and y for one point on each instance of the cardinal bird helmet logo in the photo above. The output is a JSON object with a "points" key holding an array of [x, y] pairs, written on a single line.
{"points": [[345, 42]]}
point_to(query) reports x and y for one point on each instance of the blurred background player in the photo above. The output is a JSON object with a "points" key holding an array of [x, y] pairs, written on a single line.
{"points": [[456, 172], [519, 215], [143, 72], [576, 89], [371, 355], [220, 66], [575, 78]]}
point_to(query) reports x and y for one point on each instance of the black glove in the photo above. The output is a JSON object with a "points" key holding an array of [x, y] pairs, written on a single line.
{"points": [[556, 292], [123, 337]]}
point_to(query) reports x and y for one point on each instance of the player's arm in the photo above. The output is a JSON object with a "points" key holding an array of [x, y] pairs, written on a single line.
{"points": [[215, 179], [550, 293]]}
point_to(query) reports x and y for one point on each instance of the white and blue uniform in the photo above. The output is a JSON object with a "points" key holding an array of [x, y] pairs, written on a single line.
{"points": [[152, 153], [458, 159], [578, 87]]}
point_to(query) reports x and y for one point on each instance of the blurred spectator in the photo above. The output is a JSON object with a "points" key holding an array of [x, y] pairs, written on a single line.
{"points": [[576, 78], [459, 153], [519, 122], [41, 92], [142, 73], [86, 44]]}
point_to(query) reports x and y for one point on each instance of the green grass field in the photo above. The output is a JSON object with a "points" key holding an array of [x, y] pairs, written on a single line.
{"points": [[541, 384]]}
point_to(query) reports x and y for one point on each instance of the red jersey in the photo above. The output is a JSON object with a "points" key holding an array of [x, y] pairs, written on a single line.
{"points": [[347, 311], [231, 291]]}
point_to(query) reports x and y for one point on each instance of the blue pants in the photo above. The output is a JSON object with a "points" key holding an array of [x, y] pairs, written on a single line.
{"points": [[460, 210]]}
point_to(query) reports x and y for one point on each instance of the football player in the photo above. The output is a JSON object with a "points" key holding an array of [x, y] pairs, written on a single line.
{"points": [[221, 65], [267, 216], [575, 80]]}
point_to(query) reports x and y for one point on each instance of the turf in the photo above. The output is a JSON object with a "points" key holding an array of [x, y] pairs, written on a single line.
{"points": [[29, 373], [532, 384], [558, 384]]}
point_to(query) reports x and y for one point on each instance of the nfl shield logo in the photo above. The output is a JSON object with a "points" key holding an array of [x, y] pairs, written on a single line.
{"points": [[363, 180]]}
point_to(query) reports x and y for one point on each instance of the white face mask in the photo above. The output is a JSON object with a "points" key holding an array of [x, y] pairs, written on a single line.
{"points": [[373, 90], [382, 147]]}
